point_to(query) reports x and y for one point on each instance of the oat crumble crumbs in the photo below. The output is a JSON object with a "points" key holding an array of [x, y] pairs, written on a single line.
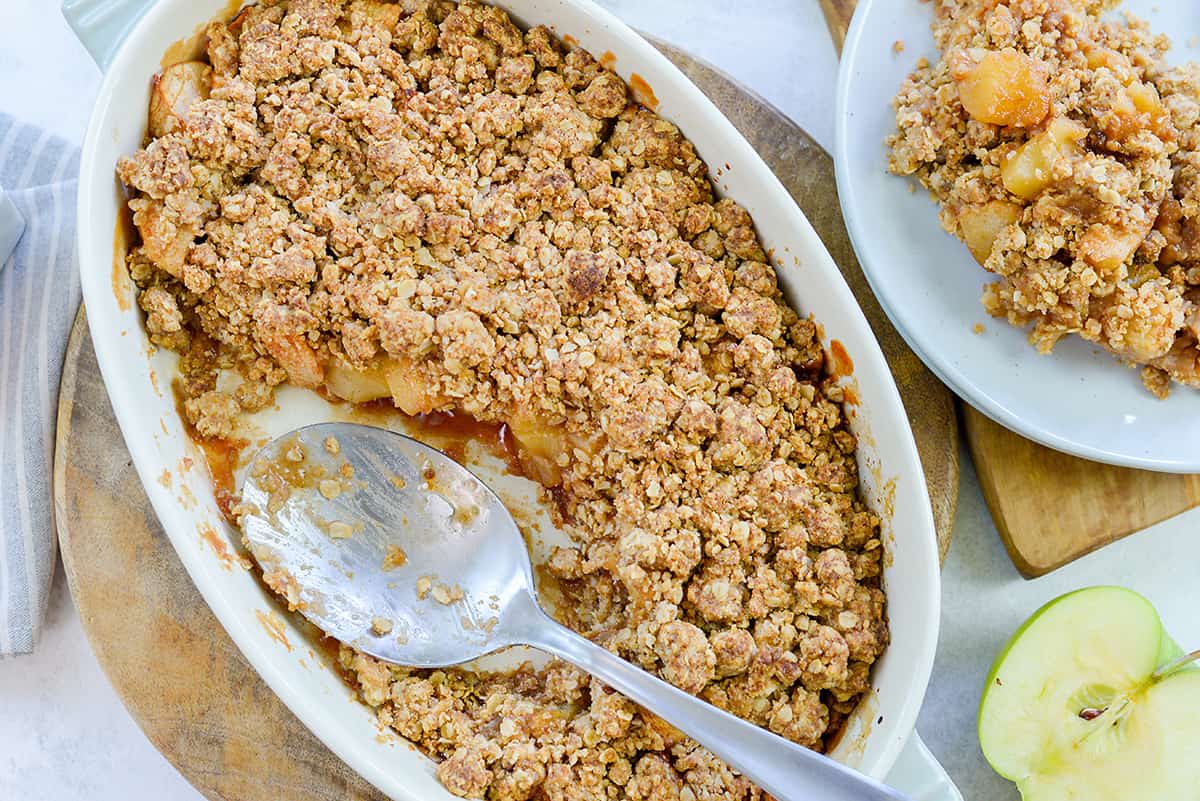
{"points": [[1065, 151], [394, 557], [285, 585], [446, 595], [422, 202]]}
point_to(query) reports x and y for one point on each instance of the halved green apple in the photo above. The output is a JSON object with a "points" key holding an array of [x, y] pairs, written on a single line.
{"points": [[1074, 708]]}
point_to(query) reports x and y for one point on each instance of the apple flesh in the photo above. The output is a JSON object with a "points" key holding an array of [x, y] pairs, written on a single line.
{"points": [[1073, 708]]}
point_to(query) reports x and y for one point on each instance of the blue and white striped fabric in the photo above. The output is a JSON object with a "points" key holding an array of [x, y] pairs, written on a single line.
{"points": [[39, 293]]}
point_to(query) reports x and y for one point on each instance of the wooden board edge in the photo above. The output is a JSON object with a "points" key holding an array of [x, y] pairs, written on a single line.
{"points": [[987, 485], [63, 428], [954, 468], [981, 434], [62, 433], [838, 14]]}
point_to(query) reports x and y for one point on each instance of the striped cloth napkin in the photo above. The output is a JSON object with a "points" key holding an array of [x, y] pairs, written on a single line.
{"points": [[39, 293]]}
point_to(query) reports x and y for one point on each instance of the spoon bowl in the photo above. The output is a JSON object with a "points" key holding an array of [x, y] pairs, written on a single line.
{"points": [[431, 555]]}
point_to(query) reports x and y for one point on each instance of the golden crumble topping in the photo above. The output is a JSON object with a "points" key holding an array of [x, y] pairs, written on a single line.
{"points": [[422, 202], [1063, 150]]}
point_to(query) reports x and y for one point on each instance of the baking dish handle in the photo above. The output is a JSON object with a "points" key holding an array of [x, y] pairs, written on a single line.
{"points": [[103, 24], [918, 774]]}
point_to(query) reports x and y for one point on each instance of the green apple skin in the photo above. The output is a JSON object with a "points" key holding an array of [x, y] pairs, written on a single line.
{"points": [[1093, 648]]}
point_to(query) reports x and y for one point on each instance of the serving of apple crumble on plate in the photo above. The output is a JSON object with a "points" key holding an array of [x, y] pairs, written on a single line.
{"points": [[423, 203], [1062, 148]]}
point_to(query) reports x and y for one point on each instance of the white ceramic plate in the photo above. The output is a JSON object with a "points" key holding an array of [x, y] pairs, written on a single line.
{"points": [[893, 483], [1078, 399]]}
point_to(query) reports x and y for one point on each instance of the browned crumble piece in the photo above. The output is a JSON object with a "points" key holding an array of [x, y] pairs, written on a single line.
{"points": [[1157, 381], [394, 557], [214, 414]]}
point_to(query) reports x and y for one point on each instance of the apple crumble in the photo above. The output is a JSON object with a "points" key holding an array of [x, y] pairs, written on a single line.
{"points": [[1063, 150], [422, 202]]}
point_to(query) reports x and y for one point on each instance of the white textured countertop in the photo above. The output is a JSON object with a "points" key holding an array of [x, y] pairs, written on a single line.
{"points": [[64, 735]]}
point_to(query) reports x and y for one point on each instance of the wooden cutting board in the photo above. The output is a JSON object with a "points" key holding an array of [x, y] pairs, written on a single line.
{"points": [[1051, 508], [181, 677]]}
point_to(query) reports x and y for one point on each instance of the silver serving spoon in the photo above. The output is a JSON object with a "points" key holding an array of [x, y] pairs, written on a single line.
{"points": [[407, 556]]}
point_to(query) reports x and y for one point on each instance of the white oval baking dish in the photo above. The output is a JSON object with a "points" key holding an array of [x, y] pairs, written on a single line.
{"points": [[129, 38]]}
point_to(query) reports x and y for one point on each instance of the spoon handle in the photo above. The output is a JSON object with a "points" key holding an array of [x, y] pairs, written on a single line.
{"points": [[787, 771]]}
